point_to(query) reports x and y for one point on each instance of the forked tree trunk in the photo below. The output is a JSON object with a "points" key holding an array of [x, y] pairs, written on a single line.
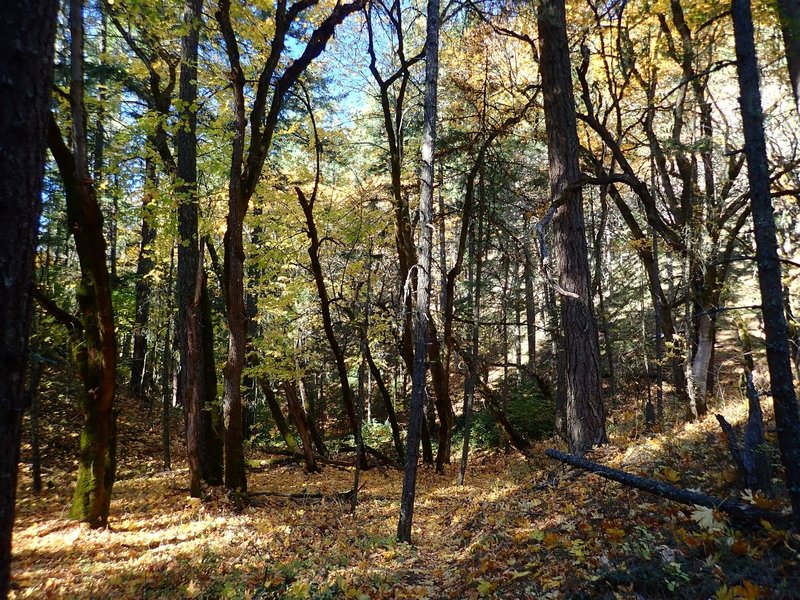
{"points": [[96, 358], [27, 31], [787, 420], [585, 417], [300, 421]]}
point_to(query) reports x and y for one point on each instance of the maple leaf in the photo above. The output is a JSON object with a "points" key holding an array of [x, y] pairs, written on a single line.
{"points": [[705, 518]]}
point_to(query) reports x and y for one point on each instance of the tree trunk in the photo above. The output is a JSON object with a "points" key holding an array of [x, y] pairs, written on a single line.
{"points": [[299, 416], [144, 266], [212, 431], [166, 373], [277, 414], [325, 304], [96, 358], [787, 420], [387, 402], [474, 276], [190, 268], [585, 418], [423, 273], [27, 31]]}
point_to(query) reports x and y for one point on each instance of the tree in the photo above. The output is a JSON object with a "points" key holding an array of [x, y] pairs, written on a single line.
{"points": [[787, 420], [190, 281], [27, 32], [268, 93], [423, 272], [585, 417], [96, 356]]}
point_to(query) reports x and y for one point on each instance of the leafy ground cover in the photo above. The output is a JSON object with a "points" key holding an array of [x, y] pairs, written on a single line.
{"points": [[518, 529]]}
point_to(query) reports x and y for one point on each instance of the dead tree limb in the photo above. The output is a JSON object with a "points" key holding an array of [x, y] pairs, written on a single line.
{"points": [[742, 514]]}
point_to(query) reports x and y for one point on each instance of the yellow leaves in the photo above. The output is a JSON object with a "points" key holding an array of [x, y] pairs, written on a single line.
{"points": [[192, 589], [747, 591], [485, 588], [671, 475]]}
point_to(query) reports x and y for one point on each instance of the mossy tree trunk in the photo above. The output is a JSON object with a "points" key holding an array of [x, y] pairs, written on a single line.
{"points": [[96, 357]]}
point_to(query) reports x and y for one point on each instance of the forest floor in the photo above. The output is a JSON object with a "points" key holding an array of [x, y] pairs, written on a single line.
{"points": [[518, 528]]}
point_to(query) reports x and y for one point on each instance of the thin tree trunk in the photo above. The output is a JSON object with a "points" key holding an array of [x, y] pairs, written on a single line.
{"points": [[144, 266], [166, 372], [474, 277], [277, 414], [387, 402], [32, 399], [212, 430], [325, 304], [423, 273], [787, 420], [299, 416]]}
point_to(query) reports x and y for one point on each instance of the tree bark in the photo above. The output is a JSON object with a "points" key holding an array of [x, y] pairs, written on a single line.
{"points": [[296, 409], [144, 266], [423, 272], [787, 420], [27, 31], [190, 275], [96, 358], [585, 417]]}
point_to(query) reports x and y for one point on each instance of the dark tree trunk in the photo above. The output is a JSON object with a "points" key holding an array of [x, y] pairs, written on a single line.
{"points": [[387, 402], [27, 31], [166, 372], [423, 272], [269, 93], [144, 266], [32, 400], [190, 276], [325, 304], [585, 418], [299, 416], [787, 420], [277, 414], [474, 276], [212, 434]]}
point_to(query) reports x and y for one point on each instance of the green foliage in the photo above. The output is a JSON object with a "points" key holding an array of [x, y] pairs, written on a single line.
{"points": [[530, 411]]}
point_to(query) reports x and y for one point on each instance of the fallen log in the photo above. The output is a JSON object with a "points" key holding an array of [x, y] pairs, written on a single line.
{"points": [[742, 514]]}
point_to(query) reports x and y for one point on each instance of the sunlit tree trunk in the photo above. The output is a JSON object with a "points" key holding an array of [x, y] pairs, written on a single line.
{"points": [[585, 417], [423, 273]]}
